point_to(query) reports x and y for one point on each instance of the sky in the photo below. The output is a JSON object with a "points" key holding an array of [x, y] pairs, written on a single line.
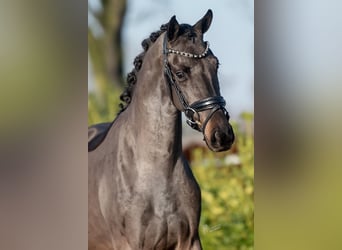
{"points": [[231, 38]]}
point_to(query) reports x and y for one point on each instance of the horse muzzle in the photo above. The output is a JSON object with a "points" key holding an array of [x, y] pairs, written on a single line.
{"points": [[221, 139], [213, 122], [219, 134]]}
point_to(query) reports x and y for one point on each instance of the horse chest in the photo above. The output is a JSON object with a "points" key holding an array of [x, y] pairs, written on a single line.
{"points": [[156, 226], [160, 213]]}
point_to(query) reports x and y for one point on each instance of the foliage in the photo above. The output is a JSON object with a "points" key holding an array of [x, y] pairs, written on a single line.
{"points": [[99, 109], [227, 185]]}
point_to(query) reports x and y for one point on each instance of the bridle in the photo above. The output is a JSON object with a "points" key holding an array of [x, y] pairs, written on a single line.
{"points": [[213, 103]]}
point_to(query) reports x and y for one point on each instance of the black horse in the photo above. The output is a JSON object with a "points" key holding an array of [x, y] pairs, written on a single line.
{"points": [[142, 193]]}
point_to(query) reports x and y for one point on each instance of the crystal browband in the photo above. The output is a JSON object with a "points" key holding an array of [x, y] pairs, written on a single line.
{"points": [[190, 54]]}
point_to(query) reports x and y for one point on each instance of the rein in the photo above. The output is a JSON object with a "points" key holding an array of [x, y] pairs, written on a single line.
{"points": [[213, 103]]}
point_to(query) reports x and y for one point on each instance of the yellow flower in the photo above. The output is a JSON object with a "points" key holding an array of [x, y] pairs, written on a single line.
{"points": [[249, 190]]}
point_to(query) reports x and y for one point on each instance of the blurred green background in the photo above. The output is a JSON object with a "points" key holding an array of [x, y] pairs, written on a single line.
{"points": [[227, 184]]}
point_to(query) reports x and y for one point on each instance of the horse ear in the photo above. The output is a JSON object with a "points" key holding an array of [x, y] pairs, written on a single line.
{"points": [[172, 29], [203, 24]]}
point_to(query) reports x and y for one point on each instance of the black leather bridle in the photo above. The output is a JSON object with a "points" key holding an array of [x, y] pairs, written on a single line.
{"points": [[213, 103]]}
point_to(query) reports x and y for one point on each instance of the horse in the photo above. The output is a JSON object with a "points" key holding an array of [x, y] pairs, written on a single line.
{"points": [[142, 193]]}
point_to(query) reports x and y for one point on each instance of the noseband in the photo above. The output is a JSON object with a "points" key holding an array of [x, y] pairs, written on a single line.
{"points": [[213, 103]]}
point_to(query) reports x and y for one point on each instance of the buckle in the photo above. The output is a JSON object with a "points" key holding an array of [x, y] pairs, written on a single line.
{"points": [[189, 112], [193, 124]]}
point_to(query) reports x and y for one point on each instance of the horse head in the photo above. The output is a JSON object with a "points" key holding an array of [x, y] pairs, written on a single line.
{"points": [[191, 71]]}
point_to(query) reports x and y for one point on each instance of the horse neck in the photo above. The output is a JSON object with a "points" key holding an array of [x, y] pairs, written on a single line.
{"points": [[152, 108]]}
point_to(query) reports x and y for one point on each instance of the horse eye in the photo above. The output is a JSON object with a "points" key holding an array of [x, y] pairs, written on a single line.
{"points": [[180, 75]]}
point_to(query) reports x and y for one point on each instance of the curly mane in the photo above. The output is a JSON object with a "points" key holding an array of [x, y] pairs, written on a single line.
{"points": [[126, 95]]}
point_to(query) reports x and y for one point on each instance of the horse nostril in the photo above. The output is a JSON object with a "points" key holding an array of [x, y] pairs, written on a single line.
{"points": [[219, 138]]}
